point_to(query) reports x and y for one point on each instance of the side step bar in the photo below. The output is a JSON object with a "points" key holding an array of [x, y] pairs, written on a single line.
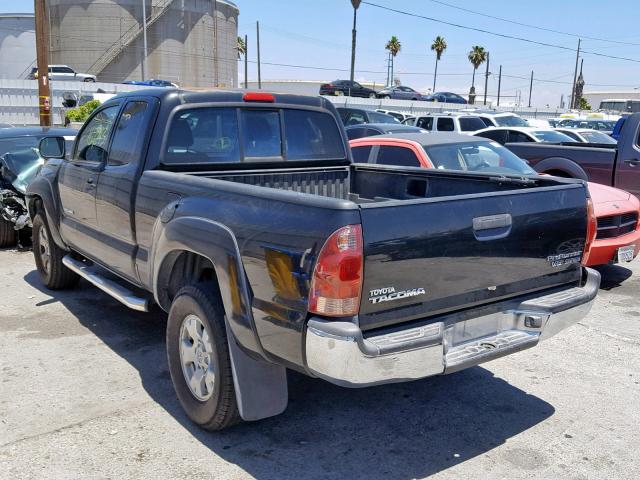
{"points": [[114, 289]]}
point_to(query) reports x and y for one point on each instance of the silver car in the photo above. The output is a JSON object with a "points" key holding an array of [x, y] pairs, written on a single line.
{"points": [[64, 73]]}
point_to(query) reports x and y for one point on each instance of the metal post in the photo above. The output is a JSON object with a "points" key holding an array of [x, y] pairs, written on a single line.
{"points": [[486, 80], [216, 66], [42, 52], [258, 41], [530, 88], [144, 40], [575, 77], [499, 84], [355, 5], [246, 63]]}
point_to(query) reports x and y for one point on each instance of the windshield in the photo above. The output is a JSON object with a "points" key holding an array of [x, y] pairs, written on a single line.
{"points": [[598, 137], [485, 157], [551, 136], [510, 121]]}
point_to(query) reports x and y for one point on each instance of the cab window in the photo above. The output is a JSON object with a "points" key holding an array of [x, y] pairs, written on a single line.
{"points": [[445, 124], [400, 156]]}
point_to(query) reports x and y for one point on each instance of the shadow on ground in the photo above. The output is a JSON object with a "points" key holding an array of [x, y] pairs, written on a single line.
{"points": [[398, 431], [613, 276]]}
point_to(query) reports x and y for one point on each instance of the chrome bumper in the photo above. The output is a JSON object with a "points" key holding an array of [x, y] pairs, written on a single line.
{"points": [[338, 351]]}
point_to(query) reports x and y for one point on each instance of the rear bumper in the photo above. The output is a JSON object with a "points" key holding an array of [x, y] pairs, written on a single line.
{"points": [[604, 251], [340, 353]]}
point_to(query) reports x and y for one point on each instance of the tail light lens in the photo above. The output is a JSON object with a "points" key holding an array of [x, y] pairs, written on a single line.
{"points": [[592, 229], [337, 277]]}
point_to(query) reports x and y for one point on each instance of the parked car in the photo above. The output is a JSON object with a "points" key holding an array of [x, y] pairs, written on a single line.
{"points": [[370, 129], [504, 135], [615, 165], [586, 135], [63, 73], [20, 160], [493, 118], [154, 82], [601, 125], [447, 122], [538, 123], [347, 88], [242, 216], [400, 92], [445, 97], [398, 115], [356, 116], [617, 212]]}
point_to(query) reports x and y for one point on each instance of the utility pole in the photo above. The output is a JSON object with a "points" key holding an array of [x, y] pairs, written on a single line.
{"points": [[42, 52], [575, 76], [530, 88], [144, 40], [246, 63], [486, 80], [258, 41], [355, 4], [499, 84], [216, 66]]}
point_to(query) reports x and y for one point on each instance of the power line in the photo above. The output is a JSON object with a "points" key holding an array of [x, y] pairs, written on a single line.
{"points": [[533, 26], [496, 34]]}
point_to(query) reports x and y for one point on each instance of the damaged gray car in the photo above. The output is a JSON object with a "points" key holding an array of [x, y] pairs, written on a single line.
{"points": [[20, 161]]}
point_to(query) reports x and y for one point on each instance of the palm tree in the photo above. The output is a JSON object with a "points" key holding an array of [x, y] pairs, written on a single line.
{"points": [[477, 56], [241, 47], [394, 46], [439, 46]]}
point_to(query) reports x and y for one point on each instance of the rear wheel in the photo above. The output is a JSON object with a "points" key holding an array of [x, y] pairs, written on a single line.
{"points": [[48, 257], [372, 95], [386, 97], [339, 93], [199, 359], [89, 80], [8, 235]]}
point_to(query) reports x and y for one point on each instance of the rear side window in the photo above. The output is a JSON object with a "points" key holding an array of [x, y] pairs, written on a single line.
{"points": [[234, 135], [445, 124], [388, 155], [471, 124], [312, 136], [376, 117], [361, 154]]}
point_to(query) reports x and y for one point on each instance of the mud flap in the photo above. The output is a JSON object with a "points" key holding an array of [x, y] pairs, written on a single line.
{"points": [[261, 387]]}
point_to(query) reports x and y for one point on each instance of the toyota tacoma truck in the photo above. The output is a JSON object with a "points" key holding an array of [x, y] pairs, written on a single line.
{"points": [[242, 215], [616, 166]]}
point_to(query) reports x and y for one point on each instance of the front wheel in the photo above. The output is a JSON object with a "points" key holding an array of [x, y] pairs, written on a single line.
{"points": [[48, 257], [199, 360], [386, 97], [372, 95], [89, 80]]}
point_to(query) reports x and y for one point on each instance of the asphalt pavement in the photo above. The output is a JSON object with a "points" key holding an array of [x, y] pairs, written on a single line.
{"points": [[85, 393]]}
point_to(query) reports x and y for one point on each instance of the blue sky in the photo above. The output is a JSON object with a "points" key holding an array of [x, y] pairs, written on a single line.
{"points": [[317, 33]]}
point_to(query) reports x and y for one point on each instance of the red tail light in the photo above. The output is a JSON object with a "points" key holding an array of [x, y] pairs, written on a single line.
{"points": [[337, 277], [326, 85], [258, 97], [592, 229]]}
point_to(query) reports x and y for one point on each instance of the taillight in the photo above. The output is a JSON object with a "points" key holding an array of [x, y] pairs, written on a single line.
{"points": [[592, 229], [258, 97], [337, 277]]}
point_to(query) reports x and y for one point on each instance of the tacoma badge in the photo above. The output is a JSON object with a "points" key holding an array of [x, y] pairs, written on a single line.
{"points": [[389, 294]]}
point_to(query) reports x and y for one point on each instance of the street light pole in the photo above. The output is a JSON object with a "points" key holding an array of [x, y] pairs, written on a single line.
{"points": [[575, 77], [486, 80], [144, 40], [499, 84], [355, 4]]}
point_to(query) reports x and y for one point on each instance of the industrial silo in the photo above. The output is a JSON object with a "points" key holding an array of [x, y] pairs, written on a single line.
{"points": [[105, 38], [17, 45]]}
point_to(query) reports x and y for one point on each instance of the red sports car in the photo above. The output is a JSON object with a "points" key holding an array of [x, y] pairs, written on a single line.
{"points": [[618, 236]]}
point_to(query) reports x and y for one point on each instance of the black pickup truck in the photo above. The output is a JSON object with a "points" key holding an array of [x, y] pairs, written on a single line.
{"points": [[617, 167], [242, 216]]}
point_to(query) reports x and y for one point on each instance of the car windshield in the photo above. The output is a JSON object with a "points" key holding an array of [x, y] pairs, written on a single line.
{"points": [[551, 136], [485, 157], [376, 117], [598, 137], [510, 121]]}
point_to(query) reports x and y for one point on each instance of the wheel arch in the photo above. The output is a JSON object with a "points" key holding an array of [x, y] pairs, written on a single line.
{"points": [[561, 165]]}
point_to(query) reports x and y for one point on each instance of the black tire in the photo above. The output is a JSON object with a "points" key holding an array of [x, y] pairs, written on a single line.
{"points": [[386, 97], [220, 410], [8, 236], [89, 80], [52, 272], [372, 95]]}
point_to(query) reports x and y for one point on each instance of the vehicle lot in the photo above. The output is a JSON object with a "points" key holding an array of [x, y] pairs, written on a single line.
{"points": [[86, 394]]}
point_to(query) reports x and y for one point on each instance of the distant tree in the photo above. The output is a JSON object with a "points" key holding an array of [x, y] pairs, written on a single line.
{"points": [[439, 46], [394, 46], [241, 48], [477, 56], [584, 105]]}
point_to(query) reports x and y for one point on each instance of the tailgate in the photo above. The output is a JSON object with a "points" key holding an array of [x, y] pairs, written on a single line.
{"points": [[432, 256]]}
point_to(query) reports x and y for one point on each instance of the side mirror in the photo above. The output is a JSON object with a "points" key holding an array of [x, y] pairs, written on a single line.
{"points": [[69, 99], [52, 147]]}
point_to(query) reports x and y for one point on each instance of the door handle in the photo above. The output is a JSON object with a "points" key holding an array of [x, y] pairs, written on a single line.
{"points": [[492, 227], [633, 162]]}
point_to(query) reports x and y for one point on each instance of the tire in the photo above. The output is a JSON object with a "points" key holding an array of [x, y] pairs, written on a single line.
{"points": [[387, 97], [196, 328], [52, 272], [8, 236], [339, 93], [372, 95], [90, 80]]}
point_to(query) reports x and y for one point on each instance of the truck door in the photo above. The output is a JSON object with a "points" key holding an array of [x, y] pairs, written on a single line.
{"points": [[116, 188], [627, 174], [78, 179]]}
